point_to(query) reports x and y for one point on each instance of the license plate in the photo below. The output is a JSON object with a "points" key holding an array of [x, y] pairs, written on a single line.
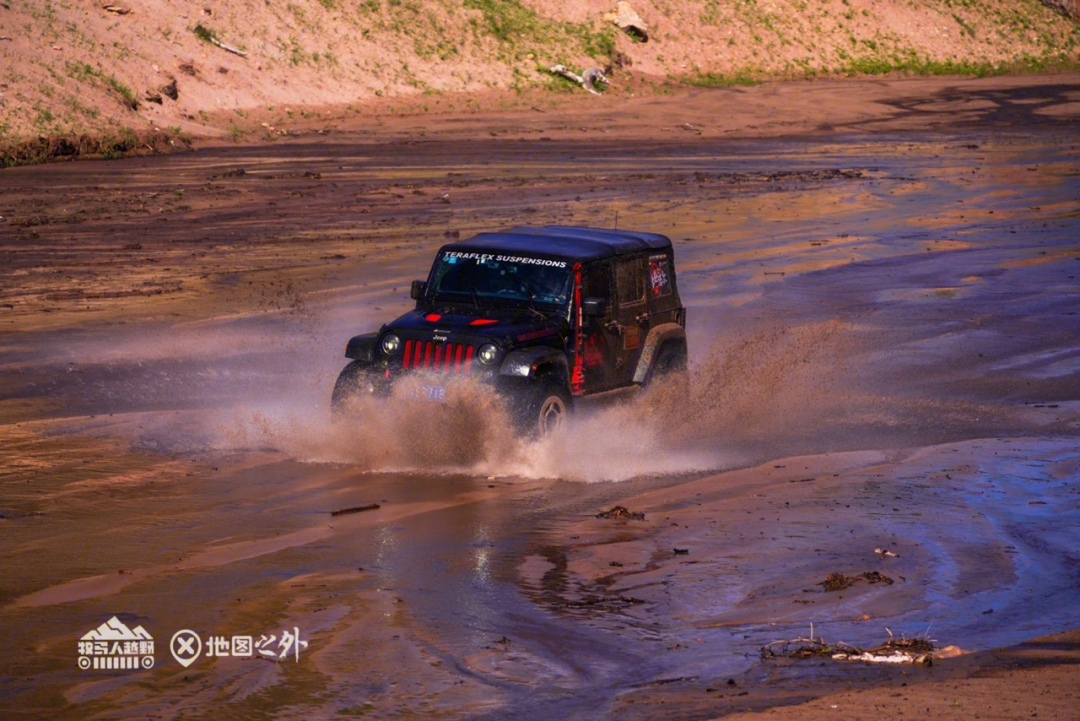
{"points": [[432, 393]]}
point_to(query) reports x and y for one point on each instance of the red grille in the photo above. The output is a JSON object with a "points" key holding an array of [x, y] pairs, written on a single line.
{"points": [[445, 357]]}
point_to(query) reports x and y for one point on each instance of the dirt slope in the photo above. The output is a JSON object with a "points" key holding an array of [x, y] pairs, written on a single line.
{"points": [[75, 66]]}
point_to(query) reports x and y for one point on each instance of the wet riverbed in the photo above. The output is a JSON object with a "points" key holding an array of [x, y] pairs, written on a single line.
{"points": [[885, 353]]}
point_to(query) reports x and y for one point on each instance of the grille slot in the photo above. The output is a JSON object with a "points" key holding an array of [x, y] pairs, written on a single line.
{"points": [[443, 357]]}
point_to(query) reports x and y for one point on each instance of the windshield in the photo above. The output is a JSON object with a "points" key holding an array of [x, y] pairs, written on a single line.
{"points": [[484, 278]]}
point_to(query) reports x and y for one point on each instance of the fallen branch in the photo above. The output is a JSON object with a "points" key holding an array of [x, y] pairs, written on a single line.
{"points": [[591, 78], [895, 650], [208, 35], [356, 509], [230, 48]]}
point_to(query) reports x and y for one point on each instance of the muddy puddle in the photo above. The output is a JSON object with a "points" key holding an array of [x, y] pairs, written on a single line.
{"points": [[885, 354]]}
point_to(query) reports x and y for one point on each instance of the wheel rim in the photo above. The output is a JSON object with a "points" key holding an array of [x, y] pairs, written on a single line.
{"points": [[552, 414]]}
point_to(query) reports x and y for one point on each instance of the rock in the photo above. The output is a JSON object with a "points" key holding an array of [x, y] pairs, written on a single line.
{"points": [[631, 23], [621, 512], [1068, 8]]}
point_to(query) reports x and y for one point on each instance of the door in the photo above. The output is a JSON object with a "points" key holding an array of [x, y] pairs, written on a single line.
{"points": [[600, 336], [631, 315]]}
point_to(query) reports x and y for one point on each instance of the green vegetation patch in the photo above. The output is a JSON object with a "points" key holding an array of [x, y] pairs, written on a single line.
{"points": [[720, 80], [107, 146], [205, 34], [913, 64], [507, 20], [519, 29], [85, 71]]}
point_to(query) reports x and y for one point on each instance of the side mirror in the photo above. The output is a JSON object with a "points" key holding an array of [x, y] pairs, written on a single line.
{"points": [[419, 288], [594, 307]]}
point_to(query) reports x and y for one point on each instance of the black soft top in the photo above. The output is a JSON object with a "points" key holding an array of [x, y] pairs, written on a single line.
{"points": [[563, 241]]}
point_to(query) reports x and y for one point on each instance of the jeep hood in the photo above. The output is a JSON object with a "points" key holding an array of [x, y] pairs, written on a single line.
{"points": [[515, 324]]}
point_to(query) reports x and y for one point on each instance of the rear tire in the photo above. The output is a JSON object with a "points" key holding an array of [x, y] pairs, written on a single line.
{"points": [[669, 360]]}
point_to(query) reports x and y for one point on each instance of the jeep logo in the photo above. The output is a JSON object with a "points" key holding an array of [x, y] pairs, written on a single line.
{"points": [[440, 338]]}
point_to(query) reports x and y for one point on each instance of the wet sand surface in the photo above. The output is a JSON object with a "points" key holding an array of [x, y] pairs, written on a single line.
{"points": [[885, 354]]}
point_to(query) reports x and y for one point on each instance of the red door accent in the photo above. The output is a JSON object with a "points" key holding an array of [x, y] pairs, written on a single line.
{"points": [[577, 376]]}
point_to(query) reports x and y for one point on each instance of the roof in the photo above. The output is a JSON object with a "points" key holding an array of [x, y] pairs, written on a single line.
{"points": [[564, 241]]}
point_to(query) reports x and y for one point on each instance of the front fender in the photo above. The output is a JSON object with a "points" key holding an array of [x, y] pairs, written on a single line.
{"points": [[362, 347], [656, 339], [526, 363]]}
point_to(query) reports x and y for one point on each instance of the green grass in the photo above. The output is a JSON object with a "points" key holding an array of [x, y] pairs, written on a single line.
{"points": [[130, 99], [85, 71], [507, 20], [720, 80], [963, 25], [914, 64], [107, 146], [205, 34], [520, 31], [115, 146]]}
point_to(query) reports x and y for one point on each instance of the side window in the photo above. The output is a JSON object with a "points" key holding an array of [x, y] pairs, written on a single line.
{"points": [[630, 281], [596, 282], [659, 276]]}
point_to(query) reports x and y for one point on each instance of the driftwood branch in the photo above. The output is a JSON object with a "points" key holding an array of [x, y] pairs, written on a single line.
{"points": [[208, 35], [589, 80], [356, 509], [230, 48]]}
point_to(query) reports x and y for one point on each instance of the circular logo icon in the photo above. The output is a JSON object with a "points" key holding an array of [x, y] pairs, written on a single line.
{"points": [[84, 662], [185, 647], [147, 661]]}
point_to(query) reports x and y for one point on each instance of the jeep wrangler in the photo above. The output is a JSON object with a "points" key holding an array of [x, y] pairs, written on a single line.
{"points": [[547, 315]]}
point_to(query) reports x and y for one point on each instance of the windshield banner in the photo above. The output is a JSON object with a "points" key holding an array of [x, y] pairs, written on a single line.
{"points": [[506, 259]]}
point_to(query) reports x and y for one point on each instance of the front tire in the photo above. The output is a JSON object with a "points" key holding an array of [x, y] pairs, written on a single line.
{"points": [[355, 379], [547, 408]]}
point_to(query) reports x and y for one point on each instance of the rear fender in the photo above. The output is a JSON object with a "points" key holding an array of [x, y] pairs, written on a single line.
{"points": [[530, 363], [658, 336]]}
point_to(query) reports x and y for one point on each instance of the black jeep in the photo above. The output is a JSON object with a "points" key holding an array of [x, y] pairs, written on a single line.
{"points": [[545, 314]]}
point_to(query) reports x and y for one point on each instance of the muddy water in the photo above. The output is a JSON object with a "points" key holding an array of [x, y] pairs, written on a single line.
{"points": [[885, 353]]}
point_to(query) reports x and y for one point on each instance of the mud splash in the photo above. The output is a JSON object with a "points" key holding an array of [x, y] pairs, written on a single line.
{"points": [[745, 390]]}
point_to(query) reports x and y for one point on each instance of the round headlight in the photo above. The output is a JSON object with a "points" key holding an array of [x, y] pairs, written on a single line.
{"points": [[488, 353], [390, 344]]}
